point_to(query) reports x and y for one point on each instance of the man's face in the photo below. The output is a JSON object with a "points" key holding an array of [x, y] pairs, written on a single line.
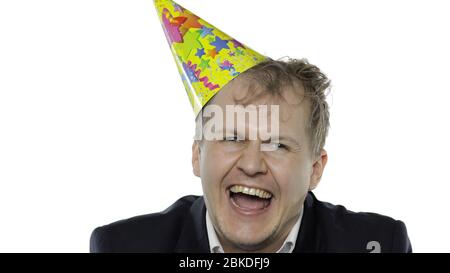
{"points": [[280, 178]]}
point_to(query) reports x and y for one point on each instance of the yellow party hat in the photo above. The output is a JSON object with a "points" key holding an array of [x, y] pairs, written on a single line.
{"points": [[207, 58]]}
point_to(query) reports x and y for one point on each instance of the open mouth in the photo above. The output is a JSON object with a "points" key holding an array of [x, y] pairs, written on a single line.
{"points": [[250, 200]]}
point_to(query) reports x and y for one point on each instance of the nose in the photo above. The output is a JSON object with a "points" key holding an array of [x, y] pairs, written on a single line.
{"points": [[251, 161]]}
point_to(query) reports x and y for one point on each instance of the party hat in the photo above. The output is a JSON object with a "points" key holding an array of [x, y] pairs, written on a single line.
{"points": [[206, 57]]}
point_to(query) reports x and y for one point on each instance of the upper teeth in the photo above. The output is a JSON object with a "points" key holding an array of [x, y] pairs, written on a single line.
{"points": [[251, 191]]}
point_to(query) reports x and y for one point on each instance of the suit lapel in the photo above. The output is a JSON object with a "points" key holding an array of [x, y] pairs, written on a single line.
{"points": [[308, 239], [193, 237]]}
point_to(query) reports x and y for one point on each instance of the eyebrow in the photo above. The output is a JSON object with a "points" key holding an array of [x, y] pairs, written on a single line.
{"points": [[280, 138], [285, 138]]}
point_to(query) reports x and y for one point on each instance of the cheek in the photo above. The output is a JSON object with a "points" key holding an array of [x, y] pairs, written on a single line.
{"points": [[293, 187], [214, 165], [293, 178]]}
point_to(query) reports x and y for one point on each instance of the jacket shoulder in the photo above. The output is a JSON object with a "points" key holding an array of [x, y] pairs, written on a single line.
{"points": [[155, 232], [343, 230]]}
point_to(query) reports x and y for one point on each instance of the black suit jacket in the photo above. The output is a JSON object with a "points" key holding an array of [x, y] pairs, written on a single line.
{"points": [[182, 228]]}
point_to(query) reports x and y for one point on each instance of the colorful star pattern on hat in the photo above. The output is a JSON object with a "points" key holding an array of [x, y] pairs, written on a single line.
{"points": [[206, 57]]}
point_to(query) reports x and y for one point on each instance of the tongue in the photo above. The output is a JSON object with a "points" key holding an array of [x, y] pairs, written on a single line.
{"points": [[249, 202]]}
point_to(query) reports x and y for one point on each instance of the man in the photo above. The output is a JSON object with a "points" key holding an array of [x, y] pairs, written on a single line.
{"points": [[257, 185]]}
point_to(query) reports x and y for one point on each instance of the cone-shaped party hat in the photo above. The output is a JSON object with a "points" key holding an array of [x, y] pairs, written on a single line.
{"points": [[207, 58]]}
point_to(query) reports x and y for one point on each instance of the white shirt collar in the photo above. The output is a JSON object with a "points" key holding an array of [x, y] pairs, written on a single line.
{"points": [[287, 247]]}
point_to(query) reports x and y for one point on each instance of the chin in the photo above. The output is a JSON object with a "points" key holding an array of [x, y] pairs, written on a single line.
{"points": [[248, 238]]}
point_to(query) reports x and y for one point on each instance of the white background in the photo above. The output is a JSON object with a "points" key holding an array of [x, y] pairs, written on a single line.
{"points": [[85, 85]]}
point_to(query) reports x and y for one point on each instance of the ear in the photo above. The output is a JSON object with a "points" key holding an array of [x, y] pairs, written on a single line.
{"points": [[196, 158], [318, 167]]}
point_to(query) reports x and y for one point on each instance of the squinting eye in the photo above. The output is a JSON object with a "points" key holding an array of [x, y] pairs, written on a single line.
{"points": [[280, 146], [231, 138], [273, 146]]}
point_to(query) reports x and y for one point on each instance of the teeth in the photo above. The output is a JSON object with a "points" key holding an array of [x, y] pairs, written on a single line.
{"points": [[251, 191]]}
